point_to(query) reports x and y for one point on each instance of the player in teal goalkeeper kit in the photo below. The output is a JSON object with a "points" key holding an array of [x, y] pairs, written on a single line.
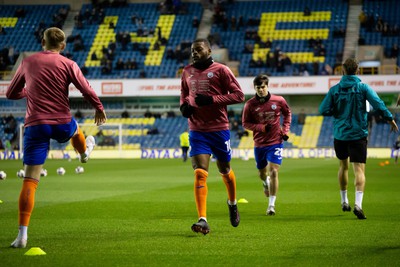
{"points": [[347, 103]]}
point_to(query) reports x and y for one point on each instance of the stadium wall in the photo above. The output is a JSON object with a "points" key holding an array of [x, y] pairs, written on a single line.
{"points": [[312, 85], [175, 153]]}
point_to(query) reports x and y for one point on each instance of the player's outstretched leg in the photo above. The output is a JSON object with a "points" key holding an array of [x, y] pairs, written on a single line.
{"points": [[90, 143]]}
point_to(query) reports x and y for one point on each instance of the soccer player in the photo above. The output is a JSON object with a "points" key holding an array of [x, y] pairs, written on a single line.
{"points": [[262, 114], [346, 102], [207, 87], [184, 140], [43, 79], [396, 150]]}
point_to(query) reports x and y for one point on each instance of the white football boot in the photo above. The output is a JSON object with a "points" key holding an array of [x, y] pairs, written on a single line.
{"points": [[19, 243], [90, 143]]}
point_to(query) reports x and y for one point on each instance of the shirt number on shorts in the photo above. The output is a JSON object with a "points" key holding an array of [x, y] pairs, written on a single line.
{"points": [[228, 145], [278, 152]]}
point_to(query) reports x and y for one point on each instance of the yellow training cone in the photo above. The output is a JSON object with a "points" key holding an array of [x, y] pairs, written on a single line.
{"points": [[35, 252], [243, 200]]}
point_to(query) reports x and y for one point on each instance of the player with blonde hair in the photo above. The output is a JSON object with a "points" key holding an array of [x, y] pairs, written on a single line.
{"points": [[43, 79]]}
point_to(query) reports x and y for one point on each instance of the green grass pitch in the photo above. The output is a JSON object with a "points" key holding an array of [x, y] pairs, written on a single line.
{"points": [[139, 213]]}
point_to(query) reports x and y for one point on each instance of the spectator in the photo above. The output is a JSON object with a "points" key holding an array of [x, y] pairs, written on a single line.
{"points": [[361, 40], [131, 64], [248, 48], [280, 63], [339, 32], [379, 24], [153, 131], [11, 125], [148, 114], [156, 46], [78, 115], [125, 114], [370, 23], [326, 70], [271, 61], [240, 22], [170, 53], [195, 22], [179, 71], [142, 73], [268, 43], [78, 44], [107, 67], [386, 31], [233, 23], [67, 54], [20, 13], [134, 19], [395, 30], [315, 67], [3, 64], [184, 142], [84, 70], [135, 46], [94, 56], [307, 11], [125, 40], [394, 51], [100, 137], [311, 42], [287, 63], [362, 18], [112, 45], [120, 65], [2, 30], [277, 52], [321, 51], [256, 63], [301, 117]]}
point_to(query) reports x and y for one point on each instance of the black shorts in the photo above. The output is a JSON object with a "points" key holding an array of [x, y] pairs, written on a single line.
{"points": [[355, 149]]}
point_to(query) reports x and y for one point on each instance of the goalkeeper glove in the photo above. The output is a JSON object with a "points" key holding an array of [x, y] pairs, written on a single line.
{"points": [[186, 110], [203, 100]]}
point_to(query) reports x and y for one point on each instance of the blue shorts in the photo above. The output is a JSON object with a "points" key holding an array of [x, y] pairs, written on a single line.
{"points": [[263, 155], [216, 143], [37, 140]]}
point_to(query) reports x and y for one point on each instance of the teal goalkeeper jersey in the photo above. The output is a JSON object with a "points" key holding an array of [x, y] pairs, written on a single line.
{"points": [[346, 102]]}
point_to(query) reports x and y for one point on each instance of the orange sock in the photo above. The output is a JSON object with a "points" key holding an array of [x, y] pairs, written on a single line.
{"points": [[201, 191], [27, 200], [230, 183], [78, 141]]}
